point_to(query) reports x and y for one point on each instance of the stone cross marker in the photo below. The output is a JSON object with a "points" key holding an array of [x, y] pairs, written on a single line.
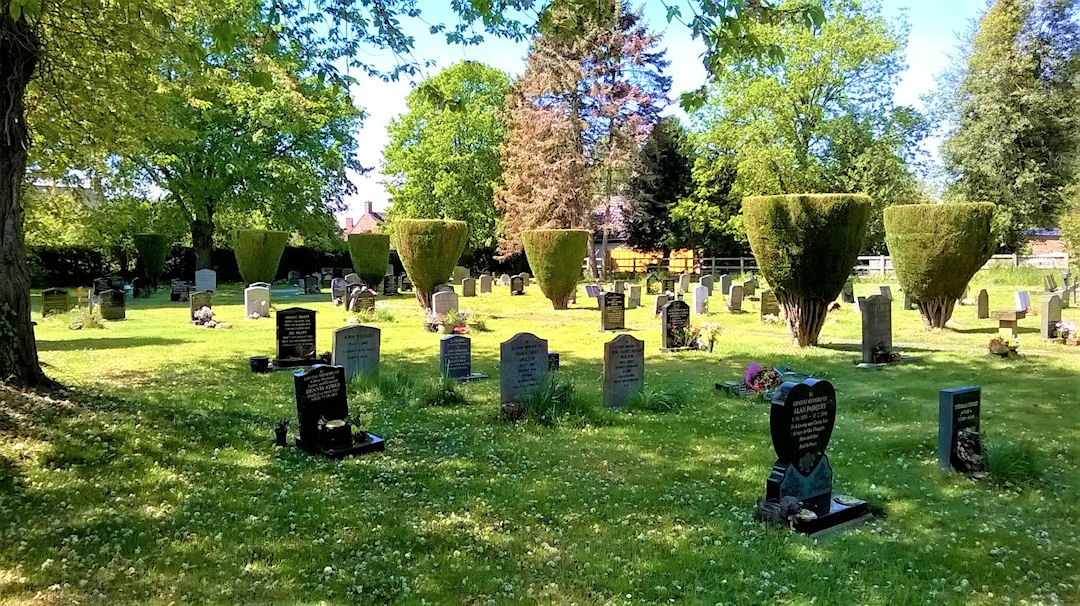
{"points": [[523, 364], [517, 285], [1050, 317], [205, 279], [769, 305], [982, 305], [198, 301], [468, 287], [444, 302], [356, 349], [613, 311], [633, 301], [256, 302], [725, 284], [361, 300], [54, 301], [674, 320], [295, 337], [876, 312], [735, 297], [485, 284], [959, 442], [701, 299], [624, 369], [112, 305]]}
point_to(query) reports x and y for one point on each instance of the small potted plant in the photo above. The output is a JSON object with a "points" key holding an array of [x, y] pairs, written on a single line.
{"points": [[761, 379], [711, 332], [1002, 347], [1068, 333]]}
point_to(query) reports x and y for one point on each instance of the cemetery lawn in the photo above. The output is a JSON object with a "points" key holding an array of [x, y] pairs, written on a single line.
{"points": [[154, 479]]}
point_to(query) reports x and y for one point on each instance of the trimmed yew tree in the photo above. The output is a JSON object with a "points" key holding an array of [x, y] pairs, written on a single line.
{"points": [[555, 257], [806, 246], [936, 249], [151, 250], [429, 250], [370, 255], [258, 253]]}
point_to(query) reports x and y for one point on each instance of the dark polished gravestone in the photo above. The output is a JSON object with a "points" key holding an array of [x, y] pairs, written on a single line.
{"points": [[322, 409], [180, 291], [613, 311], [356, 348], [361, 300], [389, 285], [295, 337], [674, 322], [801, 421], [455, 358], [517, 285], [959, 442], [55, 301], [326, 275], [112, 305], [197, 301], [624, 369], [312, 284], [523, 364], [667, 285], [339, 289]]}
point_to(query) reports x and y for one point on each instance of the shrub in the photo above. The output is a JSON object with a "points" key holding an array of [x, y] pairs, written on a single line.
{"points": [[936, 249], [370, 255], [1070, 234], [429, 250], [258, 253], [805, 246], [152, 250], [555, 257], [441, 392], [653, 399], [1014, 463], [554, 400]]}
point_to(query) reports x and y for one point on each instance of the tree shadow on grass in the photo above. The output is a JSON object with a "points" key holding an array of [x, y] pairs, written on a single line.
{"points": [[105, 343]]}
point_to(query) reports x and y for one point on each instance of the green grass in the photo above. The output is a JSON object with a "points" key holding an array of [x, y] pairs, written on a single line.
{"points": [[157, 482]]}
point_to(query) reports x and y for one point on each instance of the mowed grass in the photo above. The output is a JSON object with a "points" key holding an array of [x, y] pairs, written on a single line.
{"points": [[158, 482]]}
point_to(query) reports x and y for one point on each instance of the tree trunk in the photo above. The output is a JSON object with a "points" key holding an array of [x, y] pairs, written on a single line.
{"points": [[19, 54], [805, 317], [202, 240], [937, 311], [424, 297], [590, 257]]}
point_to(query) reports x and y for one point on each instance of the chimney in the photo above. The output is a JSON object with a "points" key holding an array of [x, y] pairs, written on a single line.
{"points": [[348, 224], [367, 207]]}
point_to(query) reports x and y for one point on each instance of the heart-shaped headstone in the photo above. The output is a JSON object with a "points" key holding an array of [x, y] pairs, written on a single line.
{"points": [[801, 422]]}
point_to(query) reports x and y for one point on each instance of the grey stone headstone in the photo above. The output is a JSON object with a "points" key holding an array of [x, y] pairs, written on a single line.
{"points": [[958, 420], [876, 312], [982, 305], [908, 302], [674, 319], [725, 284], [633, 301], [613, 311], [443, 303], [707, 282], [256, 301], [523, 364], [504, 280], [886, 291], [684, 284], [356, 348], [769, 305], [468, 287], [734, 303], [54, 301], [619, 286], [624, 369], [198, 301], [750, 287], [455, 356], [847, 295], [353, 279], [339, 289], [205, 280], [701, 299], [659, 303], [1050, 317], [485, 284], [459, 274]]}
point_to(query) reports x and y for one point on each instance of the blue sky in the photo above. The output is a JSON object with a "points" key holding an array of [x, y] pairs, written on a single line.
{"points": [[934, 27]]}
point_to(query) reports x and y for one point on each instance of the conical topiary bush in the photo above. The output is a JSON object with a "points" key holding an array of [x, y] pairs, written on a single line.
{"points": [[151, 250], [258, 253], [370, 255], [806, 246], [429, 250], [555, 257], [936, 249]]}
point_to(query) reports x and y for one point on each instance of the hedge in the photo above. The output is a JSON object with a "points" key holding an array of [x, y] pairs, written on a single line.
{"points": [[370, 254], [152, 250], [258, 253], [936, 249], [805, 246], [429, 250], [555, 257]]}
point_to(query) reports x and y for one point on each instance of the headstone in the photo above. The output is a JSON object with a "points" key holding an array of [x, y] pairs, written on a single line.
{"points": [[517, 285], [1023, 301], [389, 285], [459, 274], [684, 283], [593, 291], [725, 284], [735, 297], [908, 301], [526, 277], [179, 291], [504, 280], [769, 305], [101, 285], [455, 356], [353, 279], [847, 295], [801, 420], [659, 303], [982, 305], [959, 441], [356, 349], [674, 320], [442, 288], [652, 285], [321, 397], [405, 282], [1049, 285], [667, 285], [619, 286], [312, 284], [749, 287], [295, 278], [701, 299], [112, 305], [886, 291], [326, 275], [485, 284], [1050, 317], [707, 282], [339, 289], [633, 301], [876, 312], [54, 301], [262, 284], [553, 361], [624, 369], [205, 280], [468, 287], [295, 337], [444, 302], [361, 300], [256, 302], [613, 311], [199, 300], [82, 297], [523, 364]]}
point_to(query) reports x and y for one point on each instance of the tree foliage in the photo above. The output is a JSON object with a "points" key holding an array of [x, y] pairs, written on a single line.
{"points": [[555, 257], [1011, 114], [662, 176], [429, 250], [258, 253], [370, 254], [442, 160]]}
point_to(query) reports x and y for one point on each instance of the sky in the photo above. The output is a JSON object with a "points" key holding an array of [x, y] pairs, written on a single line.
{"points": [[934, 29]]}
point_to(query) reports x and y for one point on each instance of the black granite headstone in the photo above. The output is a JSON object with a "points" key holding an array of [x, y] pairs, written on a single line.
{"points": [[54, 301], [613, 311], [667, 285], [322, 408], [959, 441], [674, 320], [295, 337], [517, 285], [312, 284]]}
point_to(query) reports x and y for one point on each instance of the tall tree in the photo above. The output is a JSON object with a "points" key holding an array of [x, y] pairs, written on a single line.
{"points": [[442, 160], [661, 177], [1013, 122]]}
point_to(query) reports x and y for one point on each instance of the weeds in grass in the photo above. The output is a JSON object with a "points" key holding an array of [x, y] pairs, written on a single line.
{"points": [[397, 386], [86, 318], [374, 316], [1014, 463], [441, 392], [554, 401], [656, 399]]}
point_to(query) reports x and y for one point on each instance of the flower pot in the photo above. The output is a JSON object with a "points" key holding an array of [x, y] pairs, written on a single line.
{"points": [[260, 364], [445, 329]]}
